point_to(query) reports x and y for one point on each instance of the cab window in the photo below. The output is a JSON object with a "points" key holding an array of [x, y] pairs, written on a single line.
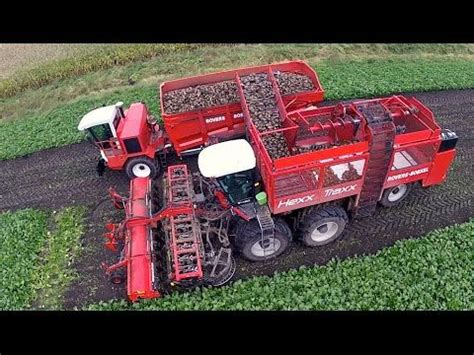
{"points": [[239, 187], [101, 132]]}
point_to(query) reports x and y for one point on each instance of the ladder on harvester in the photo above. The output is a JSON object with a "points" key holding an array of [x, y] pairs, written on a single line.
{"points": [[184, 240], [267, 226], [382, 131]]}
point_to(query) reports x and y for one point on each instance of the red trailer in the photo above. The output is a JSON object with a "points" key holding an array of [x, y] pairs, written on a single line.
{"points": [[187, 130]]}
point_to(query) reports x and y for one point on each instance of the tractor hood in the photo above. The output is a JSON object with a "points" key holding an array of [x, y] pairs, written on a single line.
{"points": [[97, 117], [226, 158]]}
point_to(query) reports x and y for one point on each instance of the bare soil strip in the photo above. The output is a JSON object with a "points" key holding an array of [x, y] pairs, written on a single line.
{"points": [[66, 176]]}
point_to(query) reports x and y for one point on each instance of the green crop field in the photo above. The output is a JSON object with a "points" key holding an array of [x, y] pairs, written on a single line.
{"points": [[432, 273], [341, 80], [36, 248]]}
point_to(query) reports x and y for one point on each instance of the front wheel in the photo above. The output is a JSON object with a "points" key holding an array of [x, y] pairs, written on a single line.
{"points": [[394, 195], [141, 167], [117, 277], [249, 243]]}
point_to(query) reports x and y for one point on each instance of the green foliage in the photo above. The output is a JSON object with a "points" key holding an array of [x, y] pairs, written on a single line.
{"points": [[34, 260], [341, 80], [63, 246], [372, 77], [432, 273], [106, 57], [22, 235]]}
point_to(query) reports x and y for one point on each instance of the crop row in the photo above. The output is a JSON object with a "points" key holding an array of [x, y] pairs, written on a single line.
{"points": [[366, 78], [431, 273], [105, 57], [341, 80], [36, 249]]}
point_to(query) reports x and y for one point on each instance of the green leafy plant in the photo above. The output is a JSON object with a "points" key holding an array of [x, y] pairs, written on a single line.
{"points": [[431, 273], [22, 235], [35, 256], [62, 248]]}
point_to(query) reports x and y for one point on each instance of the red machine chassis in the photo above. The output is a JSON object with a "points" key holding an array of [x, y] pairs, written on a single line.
{"points": [[136, 232], [422, 139]]}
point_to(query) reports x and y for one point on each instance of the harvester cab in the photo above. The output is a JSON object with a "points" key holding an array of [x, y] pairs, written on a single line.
{"points": [[125, 139], [232, 163]]}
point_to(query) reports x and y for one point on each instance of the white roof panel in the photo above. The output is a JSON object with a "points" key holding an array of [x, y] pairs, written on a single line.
{"points": [[98, 116], [226, 158]]}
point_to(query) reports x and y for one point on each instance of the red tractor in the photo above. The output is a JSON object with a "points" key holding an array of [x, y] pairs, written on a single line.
{"points": [[127, 141], [271, 165]]}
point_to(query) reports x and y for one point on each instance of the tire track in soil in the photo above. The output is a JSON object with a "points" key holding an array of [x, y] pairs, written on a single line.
{"points": [[55, 178], [65, 176]]}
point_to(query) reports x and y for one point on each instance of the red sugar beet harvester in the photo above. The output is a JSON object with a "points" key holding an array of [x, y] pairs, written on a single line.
{"points": [[272, 166]]}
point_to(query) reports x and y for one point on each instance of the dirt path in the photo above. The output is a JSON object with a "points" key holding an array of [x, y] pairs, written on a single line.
{"points": [[55, 178], [66, 176]]}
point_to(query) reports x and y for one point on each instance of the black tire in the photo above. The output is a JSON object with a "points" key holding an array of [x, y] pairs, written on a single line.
{"points": [[394, 195], [117, 277], [323, 226], [135, 165], [248, 235]]}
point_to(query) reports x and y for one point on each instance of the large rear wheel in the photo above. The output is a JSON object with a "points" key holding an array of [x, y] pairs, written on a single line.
{"points": [[248, 240], [394, 195], [323, 226]]}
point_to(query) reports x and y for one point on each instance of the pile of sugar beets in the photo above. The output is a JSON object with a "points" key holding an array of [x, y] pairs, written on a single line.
{"points": [[258, 94], [263, 109]]}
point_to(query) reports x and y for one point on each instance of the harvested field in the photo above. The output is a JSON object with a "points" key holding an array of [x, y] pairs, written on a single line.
{"points": [[22, 56], [56, 178]]}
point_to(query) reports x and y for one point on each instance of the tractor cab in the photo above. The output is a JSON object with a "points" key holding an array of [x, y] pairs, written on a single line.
{"points": [[232, 164], [102, 124], [125, 139]]}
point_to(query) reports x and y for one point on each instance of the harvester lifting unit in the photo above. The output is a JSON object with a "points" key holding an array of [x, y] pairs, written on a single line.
{"points": [[271, 164]]}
